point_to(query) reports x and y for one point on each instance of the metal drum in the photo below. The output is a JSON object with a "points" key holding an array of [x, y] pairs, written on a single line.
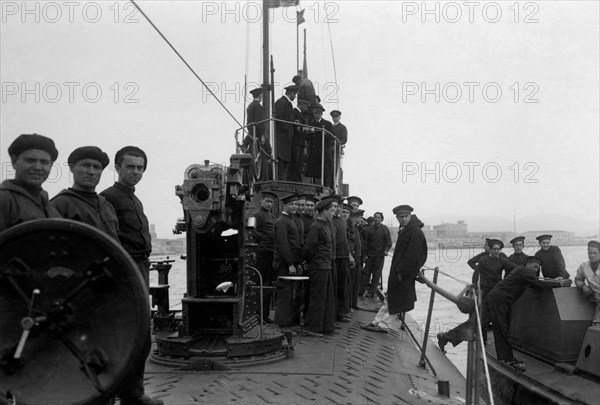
{"points": [[74, 314]]}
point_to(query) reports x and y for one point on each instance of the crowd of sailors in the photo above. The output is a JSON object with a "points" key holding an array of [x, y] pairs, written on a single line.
{"points": [[307, 147], [327, 240]]}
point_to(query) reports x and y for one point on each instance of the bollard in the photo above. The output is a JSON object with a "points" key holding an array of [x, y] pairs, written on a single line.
{"points": [[444, 388]]}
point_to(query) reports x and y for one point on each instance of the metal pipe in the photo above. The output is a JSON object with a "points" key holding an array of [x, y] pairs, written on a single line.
{"points": [[428, 323]]}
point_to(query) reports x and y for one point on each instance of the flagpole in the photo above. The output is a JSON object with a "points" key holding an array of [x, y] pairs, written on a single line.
{"points": [[297, 46]]}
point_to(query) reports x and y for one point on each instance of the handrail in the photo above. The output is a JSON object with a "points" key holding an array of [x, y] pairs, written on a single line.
{"points": [[273, 154], [466, 305]]}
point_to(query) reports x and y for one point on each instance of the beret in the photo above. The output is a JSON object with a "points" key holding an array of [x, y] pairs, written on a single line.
{"points": [[325, 203], [335, 113], [517, 239], [131, 151], [533, 259], [370, 219], [311, 198], [318, 106], [88, 152], [33, 141], [360, 212], [405, 209], [544, 237], [354, 198], [493, 242]]}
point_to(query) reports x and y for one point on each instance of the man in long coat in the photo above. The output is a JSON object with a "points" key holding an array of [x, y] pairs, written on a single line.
{"points": [[284, 131], [410, 255], [315, 150]]}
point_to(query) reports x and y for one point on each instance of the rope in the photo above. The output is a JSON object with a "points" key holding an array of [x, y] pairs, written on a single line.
{"points": [[184, 61], [483, 355], [332, 57]]}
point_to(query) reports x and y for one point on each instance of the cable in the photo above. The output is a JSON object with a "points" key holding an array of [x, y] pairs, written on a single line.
{"points": [[184, 61], [485, 365]]}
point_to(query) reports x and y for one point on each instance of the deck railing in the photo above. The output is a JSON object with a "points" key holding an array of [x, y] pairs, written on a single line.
{"points": [[259, 151]]}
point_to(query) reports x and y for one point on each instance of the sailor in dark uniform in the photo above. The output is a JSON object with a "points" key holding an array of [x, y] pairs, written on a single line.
{"points": [[284, 131], [254, 116], [343, 263], [355, 247], [503, 295], [23, 198], [553, 263], [264, 236], [320, 317], [315, 150], [518, 257], [299, 140], [341, 133], [308, 215], [81, 202], [286, 261]]}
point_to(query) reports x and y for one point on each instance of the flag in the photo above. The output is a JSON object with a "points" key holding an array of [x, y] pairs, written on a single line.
{"points": [[300, 17], [281, 3]]}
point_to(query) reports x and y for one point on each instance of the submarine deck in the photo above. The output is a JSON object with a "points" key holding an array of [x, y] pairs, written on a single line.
{"points": [[353, 366]]}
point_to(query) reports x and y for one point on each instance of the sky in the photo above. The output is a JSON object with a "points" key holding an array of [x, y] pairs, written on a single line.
{"points": [[463, 108]]}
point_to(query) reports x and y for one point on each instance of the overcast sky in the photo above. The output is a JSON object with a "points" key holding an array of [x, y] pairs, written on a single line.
{"points": [[467, 108]]}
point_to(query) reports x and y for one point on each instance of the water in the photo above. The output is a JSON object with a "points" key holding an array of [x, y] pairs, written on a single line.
{"points": [[445, 314]]}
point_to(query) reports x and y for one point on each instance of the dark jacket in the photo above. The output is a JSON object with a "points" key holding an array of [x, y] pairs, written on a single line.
{"points": [[264, 230], [100, 214], [307, 221], [255, 113], [314, 150], [410, 254], [317, 250], [489, 269], [377, 241], [553, 263], [18, 205], [341, 133], [512, 287], [287, 242], [519, 259], [342, 247], [134, 231], [283, 130]]}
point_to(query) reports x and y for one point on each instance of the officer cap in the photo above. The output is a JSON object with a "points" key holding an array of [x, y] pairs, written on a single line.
{"points": [[318, 106], [291, 87], [270, 194], [335, 113], [290, 198], [33, 141], [354, 198], [493, 242], [255, 92], [402, 209], [88, 152], [517, 239], [544, 237], [347, 207], [594, 244], [359, 213], [311, 198]]}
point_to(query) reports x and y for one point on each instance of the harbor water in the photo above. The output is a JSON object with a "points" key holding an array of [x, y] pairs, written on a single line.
{"points": [[445, 314]]}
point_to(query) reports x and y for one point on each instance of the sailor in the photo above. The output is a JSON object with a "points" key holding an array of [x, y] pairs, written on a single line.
{"points": [[297, 217], [255, 114], [518, 257], [315, 150], [301, 116], [308, 215], [284, 131], [320, 317], [341, 133], [553, 263], [377, 244], [588, 277], [357, 219], [287, 262], [342, 261], [351, 235], [23, 198], [264, 236], [81, 202], [410, 255], [134, 234], [500, 299], [489, 269], [473, 261], [306, 89]]}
